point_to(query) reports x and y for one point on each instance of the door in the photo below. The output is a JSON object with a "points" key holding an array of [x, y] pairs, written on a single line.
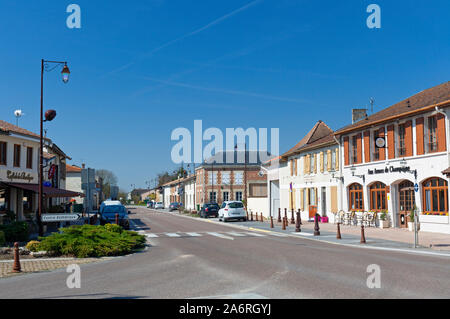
{"points": [[406, 202], [323, 201]]}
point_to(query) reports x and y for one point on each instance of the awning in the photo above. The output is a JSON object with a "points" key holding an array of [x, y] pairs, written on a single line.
{"points": [[446, 171], [48, 191]]}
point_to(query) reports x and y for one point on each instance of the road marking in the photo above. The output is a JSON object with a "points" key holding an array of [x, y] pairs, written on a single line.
{"points": [[151, 235], [236, 234], [194, 234], [303, 234], [256, 234], [172, 235], [220, 235], [279, 234]]}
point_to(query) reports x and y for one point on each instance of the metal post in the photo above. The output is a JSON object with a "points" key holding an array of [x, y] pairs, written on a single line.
{"points": [[279, 215], [262, 218], [271, 222], [256, 216], [363, 237], [41, 154], [300, 216], [285, 213], [416, 235], [292, 216], [297, 226], [338, 235], [117, 219], [16, 265], [283, 227], [316, 226], [251, 216]]}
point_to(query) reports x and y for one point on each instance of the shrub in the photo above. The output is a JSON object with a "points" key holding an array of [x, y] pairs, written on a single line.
{"points": [[16, 231], [33, 245], [2, 238], [92, 241]]}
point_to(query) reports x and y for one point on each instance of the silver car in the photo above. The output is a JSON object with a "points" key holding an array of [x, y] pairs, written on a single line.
{"points": [[232, 210], [159, 205]]}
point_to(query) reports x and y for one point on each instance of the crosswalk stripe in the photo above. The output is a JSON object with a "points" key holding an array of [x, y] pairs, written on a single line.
{"points": [[279, 234], [220, 235], [236, 234], [256, 234], [303, 234], [194, 234], [152, 235], [172, 235]]}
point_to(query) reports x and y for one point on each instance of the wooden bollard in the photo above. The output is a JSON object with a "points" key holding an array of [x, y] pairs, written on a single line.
{"points": [[297, 226], [283, 227], [300, 216], [262, 218], [338, 234], [292, 216], [363, 236], [256, 216], [271, 221], [251, 216], [279, 215], [16, 265]]}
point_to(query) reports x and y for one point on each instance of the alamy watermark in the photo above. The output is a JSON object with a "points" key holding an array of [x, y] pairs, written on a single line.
{"points": [[224, 147], [74, 279], [73, 21], [374, 19], [374, 279]]}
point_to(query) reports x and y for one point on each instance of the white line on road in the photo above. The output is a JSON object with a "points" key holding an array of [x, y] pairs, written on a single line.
{"points": [[303, 234], [172, 235], [256, 234], [152, 235], [279, 234], [236, 234], [220, 235], [194, 234]]}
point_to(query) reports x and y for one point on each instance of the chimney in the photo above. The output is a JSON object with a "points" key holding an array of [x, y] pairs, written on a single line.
{"points": [[83, 166], [358, 114]]}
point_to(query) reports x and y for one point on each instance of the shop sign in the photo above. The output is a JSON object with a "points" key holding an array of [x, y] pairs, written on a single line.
{"points": [[390, 169], [19, 175]]}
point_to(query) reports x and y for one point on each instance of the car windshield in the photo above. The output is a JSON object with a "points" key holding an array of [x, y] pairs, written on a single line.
{"points": [[236, 205], [114, 209], [211, 206]]}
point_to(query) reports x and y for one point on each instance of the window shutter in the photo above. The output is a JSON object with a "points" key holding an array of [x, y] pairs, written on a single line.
{"points": [[304, 165], [346, 149], [382, 150], [292, 167], [391, 142], [296, 167], [419, 136], [408, 138], [301, 199], [337, 159], [308, 163], [329, 160], [359, 148], [441, 137], [321, 162], [367, 146], [293, 198], [315, 163]]}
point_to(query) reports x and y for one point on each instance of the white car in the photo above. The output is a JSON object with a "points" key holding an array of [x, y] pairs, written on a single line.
{"points": [[159, 205], [232, 210]]}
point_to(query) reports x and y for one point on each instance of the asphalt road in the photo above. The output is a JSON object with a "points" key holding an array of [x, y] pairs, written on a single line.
{"points": [[210, 260]]}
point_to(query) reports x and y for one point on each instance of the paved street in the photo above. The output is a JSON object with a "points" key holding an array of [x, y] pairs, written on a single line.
{"points": [[190, 258]]}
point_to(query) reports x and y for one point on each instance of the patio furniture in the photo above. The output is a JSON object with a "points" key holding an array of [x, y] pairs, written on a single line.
{"points": [[372, 220], [359, 218]]}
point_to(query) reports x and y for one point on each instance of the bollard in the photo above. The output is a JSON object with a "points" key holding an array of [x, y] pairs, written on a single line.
{"points": [[297, 226], [316, 226], [279, 215], [256, 216], [285, 213], [363, 237], [117, 219], [338, 235], [16, 265], [292, 217], [271, 221], [283, 227], [300, 216], [286, 222], [251, 216], [262, 218], [247, 215]]}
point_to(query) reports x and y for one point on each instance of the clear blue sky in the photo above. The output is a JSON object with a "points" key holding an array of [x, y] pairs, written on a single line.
{"points": [[142, 68]]}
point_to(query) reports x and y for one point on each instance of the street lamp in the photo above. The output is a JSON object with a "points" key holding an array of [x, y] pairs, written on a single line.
{"points": [[49, 116]]}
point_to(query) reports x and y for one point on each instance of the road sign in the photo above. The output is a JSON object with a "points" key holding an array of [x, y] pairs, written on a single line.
{"points": [[416, 187], [60, 217]]}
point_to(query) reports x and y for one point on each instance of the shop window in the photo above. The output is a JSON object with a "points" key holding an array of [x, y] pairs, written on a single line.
{"points": [[3, 153], [355, 197], [435, 193], [378, 197]]}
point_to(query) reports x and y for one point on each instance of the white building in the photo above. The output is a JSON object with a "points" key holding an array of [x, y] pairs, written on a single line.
{"points": [[396, 159]]}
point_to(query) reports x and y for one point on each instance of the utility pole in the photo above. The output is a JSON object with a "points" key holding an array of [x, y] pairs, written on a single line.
{"points": [[245, 175]]}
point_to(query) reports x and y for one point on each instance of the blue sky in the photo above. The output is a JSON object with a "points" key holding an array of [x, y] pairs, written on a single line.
{"points": [[143, 68]]}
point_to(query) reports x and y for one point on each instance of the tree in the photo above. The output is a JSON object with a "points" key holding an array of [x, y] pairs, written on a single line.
{"points": [[107, 179]]}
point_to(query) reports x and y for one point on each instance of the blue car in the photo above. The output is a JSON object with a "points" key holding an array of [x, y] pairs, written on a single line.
{"points": [[108, 215]]}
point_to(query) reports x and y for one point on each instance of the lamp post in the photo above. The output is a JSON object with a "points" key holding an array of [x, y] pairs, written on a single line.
{"points": [[49, 116]]}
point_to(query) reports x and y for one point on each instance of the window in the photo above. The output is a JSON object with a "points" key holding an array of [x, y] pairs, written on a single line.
{"points": [[432, 134], [16, 155], [378, 197], [401, 150], [333, 160], [212, 178], [311, 163], [3, 150], [354, 152], [238, 178], [435, 196], [212, 197], [258, 190], [29, 157], [376, 150], [226, 196], [239, 196], [312, 196], [355, 197], [226, 178], [325, 161]]}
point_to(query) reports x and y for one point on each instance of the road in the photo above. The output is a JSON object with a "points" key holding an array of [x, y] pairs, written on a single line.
{"points": [[191, 258]]}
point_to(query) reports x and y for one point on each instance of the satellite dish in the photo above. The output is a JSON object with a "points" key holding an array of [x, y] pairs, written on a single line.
{"points": [[261, 173], [18, 113]]}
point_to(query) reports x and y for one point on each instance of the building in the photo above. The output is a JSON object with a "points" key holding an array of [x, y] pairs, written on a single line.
{"points": [[189, 192], [307, 181], [232, 175], [398, 159], [73, 181], [19, 167]]}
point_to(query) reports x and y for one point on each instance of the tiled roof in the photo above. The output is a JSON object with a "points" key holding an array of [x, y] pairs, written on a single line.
{"points": [[8, 127], [72, 169], [428, 97]]}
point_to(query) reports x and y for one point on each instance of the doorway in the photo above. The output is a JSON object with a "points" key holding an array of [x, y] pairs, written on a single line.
{"points": [[323, 201], [406, 202]]}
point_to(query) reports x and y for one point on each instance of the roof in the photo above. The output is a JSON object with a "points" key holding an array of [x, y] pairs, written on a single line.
{"points": [[431, 97], [73, 169], [48, 191], [10, 128], [319, 135], [48, 155]]}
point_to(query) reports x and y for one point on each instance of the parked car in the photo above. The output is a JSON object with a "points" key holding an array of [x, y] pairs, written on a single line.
{"points": [[209, 210], [174, 206], [159, 205], [150, 204], [232, 210], [108, 214]]}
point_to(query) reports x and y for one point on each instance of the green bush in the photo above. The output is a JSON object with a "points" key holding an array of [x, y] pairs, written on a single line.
{"points": [[16, 231], [2, 238], [33, 245], [92, 241]]}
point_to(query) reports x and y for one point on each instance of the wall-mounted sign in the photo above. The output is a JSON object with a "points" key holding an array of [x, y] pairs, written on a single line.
{"points": [[390, 169], [380, 142], [59, 217], [19, 175]]}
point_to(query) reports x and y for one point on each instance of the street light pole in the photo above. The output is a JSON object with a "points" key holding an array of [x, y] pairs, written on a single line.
{"points": [[49, 116]]}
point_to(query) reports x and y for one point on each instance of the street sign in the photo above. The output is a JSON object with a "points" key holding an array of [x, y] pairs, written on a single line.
{"points": [[416, 187], [59, 217]]}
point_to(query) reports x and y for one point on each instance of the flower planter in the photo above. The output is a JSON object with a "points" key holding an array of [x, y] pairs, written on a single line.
{"points": [[411, 226], [383, 223]]}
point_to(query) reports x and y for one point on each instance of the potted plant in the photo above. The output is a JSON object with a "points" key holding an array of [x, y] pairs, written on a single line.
{"points": [[411, 221], [383, 220]]}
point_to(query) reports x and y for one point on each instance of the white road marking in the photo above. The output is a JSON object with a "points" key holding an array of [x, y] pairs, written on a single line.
{"points": [[220, 235], [194, 234], [236, 234], [151, 235], [256, 234], [279, 234], [303, 234], [172, 235]]}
